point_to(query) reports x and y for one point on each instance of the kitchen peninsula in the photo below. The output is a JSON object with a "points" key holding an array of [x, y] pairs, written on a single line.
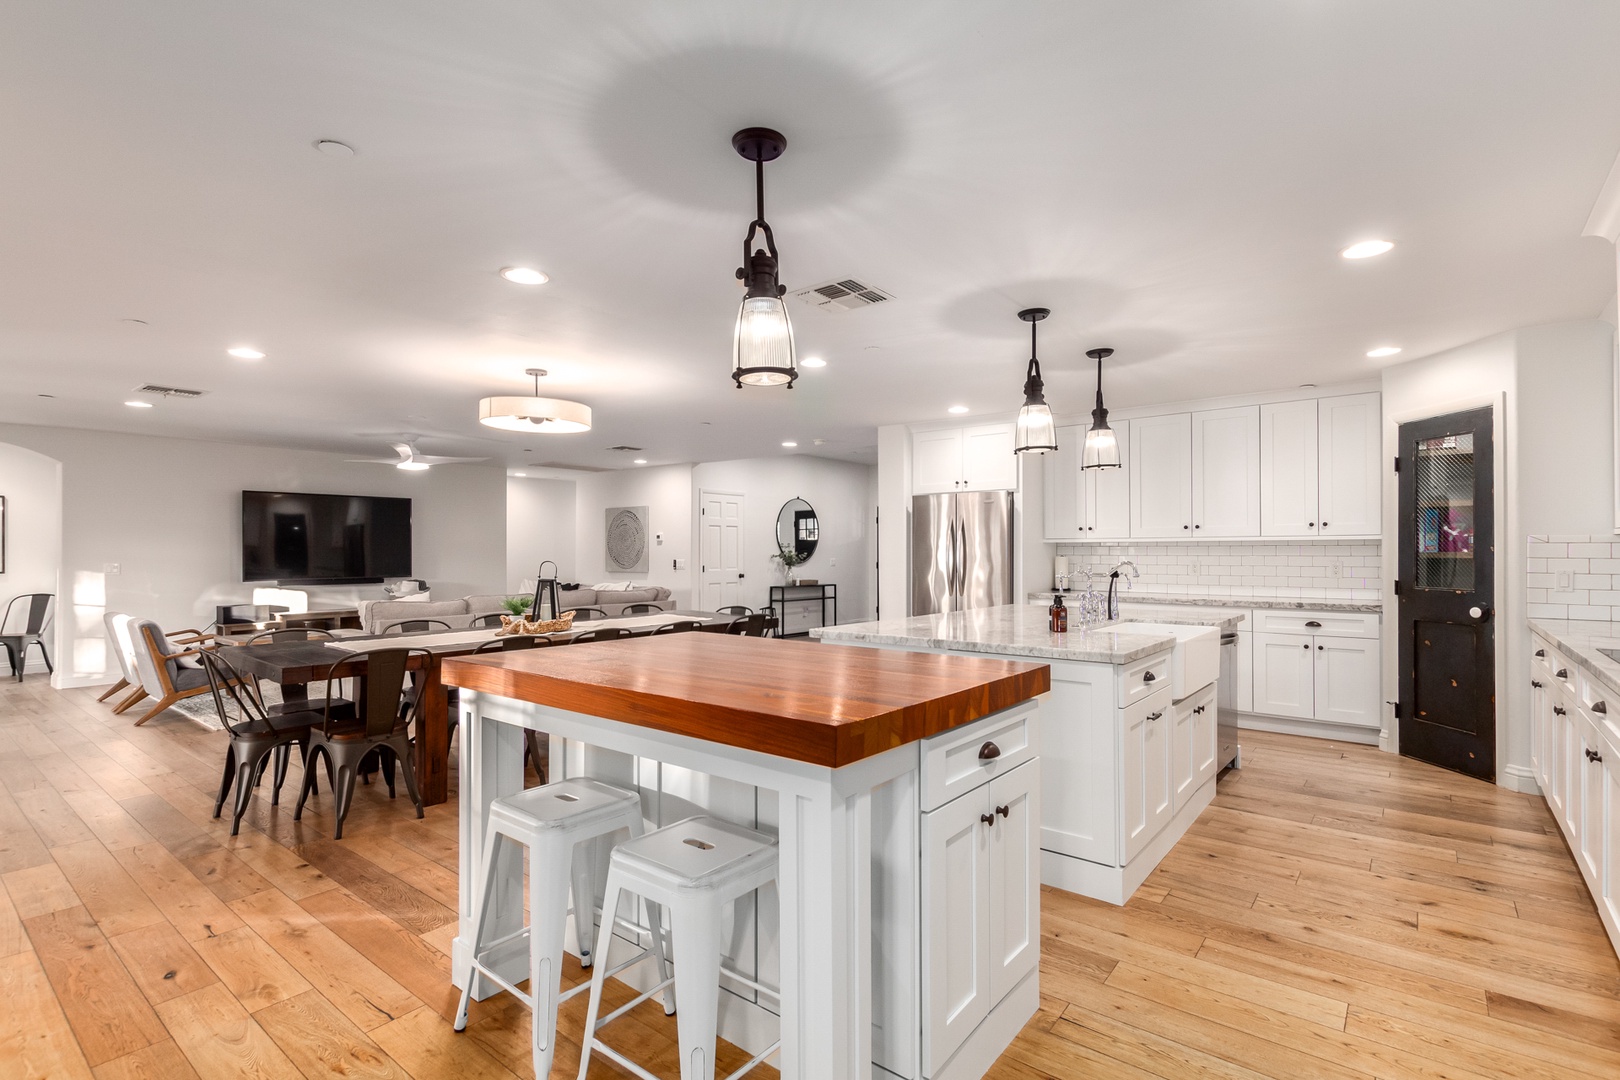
{"points": [[1129, 745], [884, 775]]}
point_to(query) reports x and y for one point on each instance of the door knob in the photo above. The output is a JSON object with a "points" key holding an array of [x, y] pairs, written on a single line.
{"points": [[1480, 612]]}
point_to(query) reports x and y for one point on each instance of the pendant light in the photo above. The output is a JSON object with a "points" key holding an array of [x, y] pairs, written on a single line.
{"points": [[1102, 448], [553, 416], [1035, 433], [762, 353]]}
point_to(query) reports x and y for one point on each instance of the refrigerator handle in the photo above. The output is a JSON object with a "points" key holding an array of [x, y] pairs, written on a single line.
{"points": [[955, 564], [961, 565]]}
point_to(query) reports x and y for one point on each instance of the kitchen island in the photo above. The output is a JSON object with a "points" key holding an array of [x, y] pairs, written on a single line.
{"points": [[1129, 741], [866, 765]]}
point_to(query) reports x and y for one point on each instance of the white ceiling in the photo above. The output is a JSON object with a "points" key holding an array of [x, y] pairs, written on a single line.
{"points": [[1173, 179]]}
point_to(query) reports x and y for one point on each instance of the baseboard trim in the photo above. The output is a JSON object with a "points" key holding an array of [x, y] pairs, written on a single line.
{"points": [[1310, 729], [1519, 778], [1115, 884]]}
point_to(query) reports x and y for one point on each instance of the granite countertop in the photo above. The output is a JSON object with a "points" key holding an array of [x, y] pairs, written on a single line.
{"points": [[1287, 603], [1011, 630], [1580, 640]]}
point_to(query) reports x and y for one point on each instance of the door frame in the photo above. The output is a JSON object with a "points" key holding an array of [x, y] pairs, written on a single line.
{"points": [[1509, 605], [698, 493]]}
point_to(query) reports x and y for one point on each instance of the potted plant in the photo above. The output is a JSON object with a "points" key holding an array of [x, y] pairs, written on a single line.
{"points": [[516, 605], [789, 560]]}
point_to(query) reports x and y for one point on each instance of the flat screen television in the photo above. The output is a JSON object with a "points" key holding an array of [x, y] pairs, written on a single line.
{"points": [[299, 538]]}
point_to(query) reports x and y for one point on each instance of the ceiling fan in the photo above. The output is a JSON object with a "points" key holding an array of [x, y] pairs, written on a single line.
{"points": [[411, 459]]}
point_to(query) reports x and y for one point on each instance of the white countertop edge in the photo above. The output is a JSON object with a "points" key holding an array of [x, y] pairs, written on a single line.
{"points": [[1281, 603], [1579, 640]]}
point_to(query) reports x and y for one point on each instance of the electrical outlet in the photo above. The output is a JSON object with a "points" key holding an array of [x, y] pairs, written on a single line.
{"points": [[1192, 568], [1566, 581], [112, 568], [1336, 567], [832, 564]]}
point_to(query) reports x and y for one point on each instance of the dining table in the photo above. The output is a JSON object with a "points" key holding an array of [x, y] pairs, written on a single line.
{"points": [[292, 665]]}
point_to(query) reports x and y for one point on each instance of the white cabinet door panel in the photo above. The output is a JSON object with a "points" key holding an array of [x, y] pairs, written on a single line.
{"points": [[1226, 472], [1161, 476], [1347, 681], [1288, 469], [1063, 486], [988, 461], [1608, 893], [1349, 432], [1079, 788], [1206, 746], [1181, 752], [1147, 800], [1109, 492], [1589, 839], [1284, 675], [936, 461], [1015, 879], [956, 924]]}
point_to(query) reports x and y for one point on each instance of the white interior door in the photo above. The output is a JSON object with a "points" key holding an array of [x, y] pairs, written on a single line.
{"points": [[1226, 472], [720, 567]]}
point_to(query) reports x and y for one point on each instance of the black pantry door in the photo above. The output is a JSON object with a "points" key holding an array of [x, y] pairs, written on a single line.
{"points": [[1446, 593]]}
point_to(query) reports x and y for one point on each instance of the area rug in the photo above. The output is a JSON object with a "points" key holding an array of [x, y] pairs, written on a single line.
{"points": [[200, 709]]}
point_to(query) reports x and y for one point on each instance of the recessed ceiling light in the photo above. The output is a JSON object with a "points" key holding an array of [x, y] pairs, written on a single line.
{"points": [[413, 466], [1366, 249], [524, 275], [957, 409], [641, 461], [790, 445], [812, 361], [1383, 350], [139, 404], [245, 352], [333, 148]]}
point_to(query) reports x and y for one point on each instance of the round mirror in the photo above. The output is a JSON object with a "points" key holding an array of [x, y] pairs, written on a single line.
{"points": [[797, 529]]}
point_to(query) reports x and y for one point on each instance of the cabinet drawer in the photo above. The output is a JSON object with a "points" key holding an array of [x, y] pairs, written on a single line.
{"points": [[955, 762], [1543, 656], [1142, 677], [1322, 623]]}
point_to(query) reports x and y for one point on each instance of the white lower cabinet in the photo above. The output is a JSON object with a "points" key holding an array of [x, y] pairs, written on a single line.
{"points": [[980, 906], [1319, 666], [1346, 681], [1194, 747], [1575, 750], [1146, 799], [1284, 675]]}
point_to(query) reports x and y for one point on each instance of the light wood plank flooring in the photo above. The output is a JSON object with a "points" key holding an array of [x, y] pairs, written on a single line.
{"points": [[1337, 913]]}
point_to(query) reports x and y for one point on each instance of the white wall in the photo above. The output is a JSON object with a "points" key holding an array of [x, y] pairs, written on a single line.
{"points": [[541, 523], [666, 491], [841, 492], [168, 511], [32, 486], [894, 521]]}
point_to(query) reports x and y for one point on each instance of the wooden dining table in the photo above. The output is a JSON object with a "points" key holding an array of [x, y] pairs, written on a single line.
{"points": [[294, 664]]}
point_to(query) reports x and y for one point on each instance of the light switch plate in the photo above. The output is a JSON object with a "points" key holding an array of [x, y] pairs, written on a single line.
{"points": [[112, 568], [1566, 580]]}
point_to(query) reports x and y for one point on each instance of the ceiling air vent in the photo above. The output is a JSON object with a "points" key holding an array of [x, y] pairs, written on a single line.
{"points": [[169, 391], [846, 294]]}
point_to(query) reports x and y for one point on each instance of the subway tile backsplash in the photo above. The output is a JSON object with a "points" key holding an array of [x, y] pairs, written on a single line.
{"points": [[1319, 569], [1572, 577]]}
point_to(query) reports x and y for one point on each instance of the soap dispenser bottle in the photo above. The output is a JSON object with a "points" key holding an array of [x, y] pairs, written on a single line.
{"points": [[1059, 615]]}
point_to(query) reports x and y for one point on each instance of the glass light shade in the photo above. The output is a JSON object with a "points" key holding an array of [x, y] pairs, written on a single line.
{"points": [[553, 416], [763, 352], [1102, 449], [1035, 433]]}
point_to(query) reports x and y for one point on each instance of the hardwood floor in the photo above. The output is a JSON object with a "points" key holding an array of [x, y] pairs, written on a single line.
{"points": [[1336, 913]]}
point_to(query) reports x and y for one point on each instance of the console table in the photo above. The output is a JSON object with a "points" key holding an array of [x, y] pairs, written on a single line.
{"points": [[801, 608]]}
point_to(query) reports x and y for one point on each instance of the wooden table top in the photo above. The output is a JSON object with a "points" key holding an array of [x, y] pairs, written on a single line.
{"points": [[828, 705]]}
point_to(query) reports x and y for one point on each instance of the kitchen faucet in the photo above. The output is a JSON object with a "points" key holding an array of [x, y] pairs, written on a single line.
{"points": [[1113, 582]]}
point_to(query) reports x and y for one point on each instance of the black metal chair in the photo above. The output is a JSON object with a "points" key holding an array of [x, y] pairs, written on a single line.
{"points": [[490, 621], [736, 609], [294, 697], [536, 744], [512, 642], [412, 626], [771, 623], [602, 633], [256, 736], [33, 632], [642, 609], [389, 706], [678, 627], [587, 614], [749, 626]]}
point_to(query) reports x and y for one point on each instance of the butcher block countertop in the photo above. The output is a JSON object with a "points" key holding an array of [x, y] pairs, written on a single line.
{"points": [[793, 699]]}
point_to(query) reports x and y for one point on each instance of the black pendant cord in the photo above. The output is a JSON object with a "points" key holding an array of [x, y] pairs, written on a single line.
{"points": [[759, 190], [1100, 408]]}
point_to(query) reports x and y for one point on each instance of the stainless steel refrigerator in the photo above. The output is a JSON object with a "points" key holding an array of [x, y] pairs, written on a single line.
{"points": [[961, 551]]}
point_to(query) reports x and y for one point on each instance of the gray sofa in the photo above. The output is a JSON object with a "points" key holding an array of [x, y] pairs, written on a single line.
{"points": [[614, 601], [375, 615]]}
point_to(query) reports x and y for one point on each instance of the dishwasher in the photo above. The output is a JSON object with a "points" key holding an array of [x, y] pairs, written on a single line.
{"points": [[1226, 729]]}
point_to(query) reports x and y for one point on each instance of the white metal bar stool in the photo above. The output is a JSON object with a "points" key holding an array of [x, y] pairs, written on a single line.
{"points": [[690, 870], [552, 820]]}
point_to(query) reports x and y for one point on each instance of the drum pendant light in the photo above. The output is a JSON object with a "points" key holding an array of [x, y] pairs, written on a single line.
{"points": [[1035, 433], [534, 414], [1102, 448], [762, 353]]}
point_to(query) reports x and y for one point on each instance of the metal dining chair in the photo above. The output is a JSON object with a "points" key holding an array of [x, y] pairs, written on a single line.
{"points": [[602, 633], [735, 609], [587, 614], [749, 626], [536, 744], [32, 631], [411, 626], [642, 609], [489, 621], [256, 735], [677, 627], [295, 698]]}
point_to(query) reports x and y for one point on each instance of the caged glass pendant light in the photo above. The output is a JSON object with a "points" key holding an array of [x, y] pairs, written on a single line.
{"points": [[762, 354], [1035, 433], [1102, 448]]}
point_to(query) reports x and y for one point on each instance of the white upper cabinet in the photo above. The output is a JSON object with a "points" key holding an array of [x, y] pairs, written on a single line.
{"points": [[977, 458], [1288, 470], [1350, 437], [1086, 504], [1226, 472], [1161, 476]]}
